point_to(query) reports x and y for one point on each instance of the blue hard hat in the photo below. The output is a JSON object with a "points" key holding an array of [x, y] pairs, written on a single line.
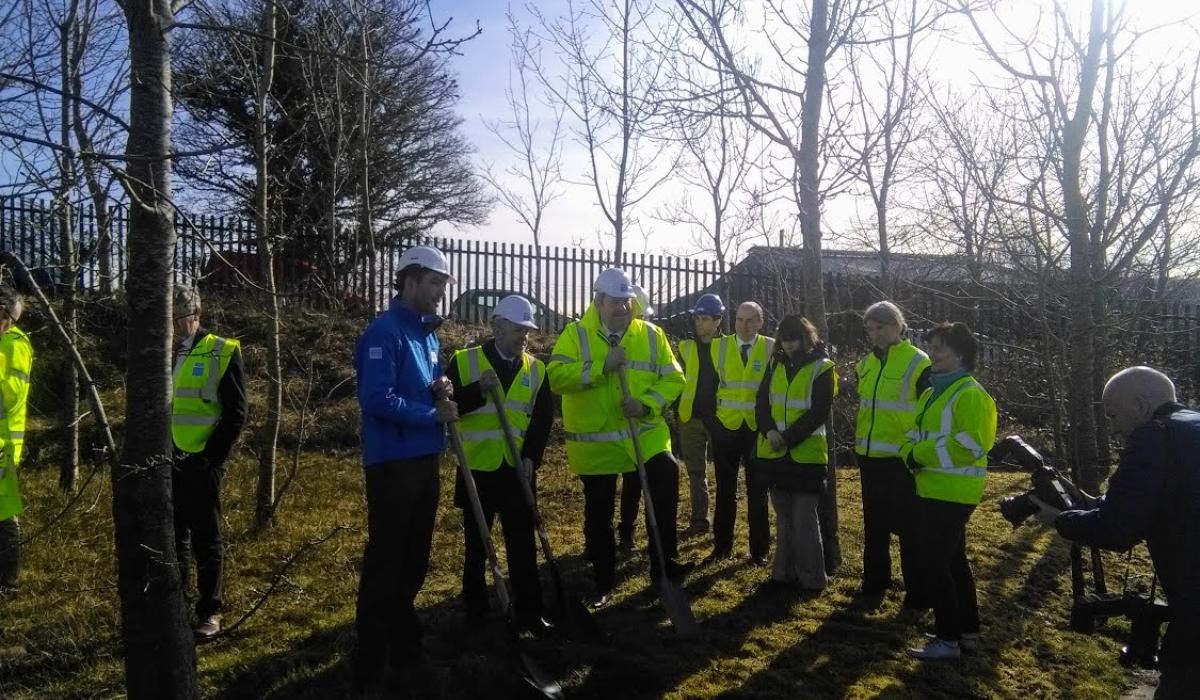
{"points": [[709, 305]]}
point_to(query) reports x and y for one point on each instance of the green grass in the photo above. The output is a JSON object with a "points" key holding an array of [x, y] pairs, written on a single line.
{"points": [[60, 636]]}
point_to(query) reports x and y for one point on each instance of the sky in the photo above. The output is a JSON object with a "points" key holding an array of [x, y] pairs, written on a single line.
{"points": [[483, 73]]}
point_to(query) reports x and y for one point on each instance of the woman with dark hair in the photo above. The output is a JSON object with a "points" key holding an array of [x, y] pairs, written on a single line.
{"points": [[947, 451], [793, 403]]}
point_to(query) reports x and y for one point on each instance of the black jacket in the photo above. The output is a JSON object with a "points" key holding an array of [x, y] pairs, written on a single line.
{"points": [[783, 473], [231, 391], [1155, 496]]}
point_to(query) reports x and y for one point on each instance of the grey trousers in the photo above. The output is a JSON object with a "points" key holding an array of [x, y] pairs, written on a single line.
{"points": [[799, 555], [695, 439]]}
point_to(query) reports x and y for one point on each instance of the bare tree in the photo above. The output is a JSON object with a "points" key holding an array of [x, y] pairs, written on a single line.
{"points": [[609, 85]]}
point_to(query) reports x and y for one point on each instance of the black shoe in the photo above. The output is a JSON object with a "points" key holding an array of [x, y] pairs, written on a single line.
{"points": [[537, 627], [716, 556], [759, 560], [694, 530], [597, 599], [872, 589], [625, 547], [676, 571]]}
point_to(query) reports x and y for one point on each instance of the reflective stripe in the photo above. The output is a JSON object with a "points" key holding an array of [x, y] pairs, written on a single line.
{"points": [[195, 420], [908, 374], [742, 385], [643, 366], [473, 372], [535, 383], [188, 393], [16, 434], [19, 375], [585, 354], [562, 358], [958, 471], [783, 400], [614, 436], [481, 435], [656, 397], [667, 368], [888, 405], [653, 338], [968, 442], [862, 442], [743, 405]]}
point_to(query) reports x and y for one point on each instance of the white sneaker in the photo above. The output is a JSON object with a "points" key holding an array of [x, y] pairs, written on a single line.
{"points": [[937, 649]]}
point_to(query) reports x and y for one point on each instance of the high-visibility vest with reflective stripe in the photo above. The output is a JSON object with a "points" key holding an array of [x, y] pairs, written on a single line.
{"points": [[598, 436], [16, 364], [195, 405], [887, 399], [691, 376], [951, 438], [789, 402], [737, 383], [482, 434]]}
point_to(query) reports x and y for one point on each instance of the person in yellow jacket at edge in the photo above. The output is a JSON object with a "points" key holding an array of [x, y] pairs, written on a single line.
{"points": [[890, 379], [16, 362], [584, 370], [947, 448]]}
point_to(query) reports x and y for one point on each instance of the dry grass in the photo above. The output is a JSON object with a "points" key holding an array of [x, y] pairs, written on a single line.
{"points": [[59, 636]]}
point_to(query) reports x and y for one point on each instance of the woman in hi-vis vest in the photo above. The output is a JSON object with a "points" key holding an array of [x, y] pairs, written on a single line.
{"points": [[890, 378], [947, 447], [792, 405]]}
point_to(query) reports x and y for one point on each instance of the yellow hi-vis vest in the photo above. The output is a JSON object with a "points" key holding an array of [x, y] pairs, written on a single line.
{"points": [[196, 406], [887, 399], [738, 383], [691, 376], [789, 402], [950, 439], [16, 363], [597, 432], [482, 434]]}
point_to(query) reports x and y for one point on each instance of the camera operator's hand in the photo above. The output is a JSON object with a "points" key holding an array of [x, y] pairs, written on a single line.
{"points": [[1047, 513]]}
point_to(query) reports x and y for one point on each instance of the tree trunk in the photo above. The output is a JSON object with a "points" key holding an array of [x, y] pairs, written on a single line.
{"points": [[808, 164], [1082, 366], [264, 512], [160, 655], [68, 469]]}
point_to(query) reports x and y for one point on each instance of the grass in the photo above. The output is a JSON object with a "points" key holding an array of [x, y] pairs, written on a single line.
{"points": [[59, 636]]}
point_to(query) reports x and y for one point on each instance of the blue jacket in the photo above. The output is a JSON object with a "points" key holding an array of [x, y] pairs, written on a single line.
{"points": [[396, 360], [1155, 496]]}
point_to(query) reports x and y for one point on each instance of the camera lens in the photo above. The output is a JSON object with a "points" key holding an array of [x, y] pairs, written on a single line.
{"points": [[1017, 509]]}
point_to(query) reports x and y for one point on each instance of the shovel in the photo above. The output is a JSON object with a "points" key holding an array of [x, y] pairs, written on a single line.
{"points": [[570, 610], [533, 675], [673, 598]]}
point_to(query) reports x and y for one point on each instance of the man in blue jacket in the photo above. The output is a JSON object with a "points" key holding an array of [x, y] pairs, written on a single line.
{"points": [[405, 400], [1154, 496]]}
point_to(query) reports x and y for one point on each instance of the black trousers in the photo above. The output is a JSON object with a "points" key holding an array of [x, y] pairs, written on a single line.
{"points": [[10, 552], [196, 495], [402, 500], [599, 502], [889, 498], [500, 494], [941, 548], [732, 448], [631, 500]]}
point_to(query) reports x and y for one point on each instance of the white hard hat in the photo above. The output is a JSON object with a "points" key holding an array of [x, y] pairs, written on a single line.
{"points": [[427, 257], [517, 309], [643, 300], [614, 282]]}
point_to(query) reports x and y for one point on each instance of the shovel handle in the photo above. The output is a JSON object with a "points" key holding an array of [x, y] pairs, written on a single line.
{"points": [[485, 533], [640, 460]]}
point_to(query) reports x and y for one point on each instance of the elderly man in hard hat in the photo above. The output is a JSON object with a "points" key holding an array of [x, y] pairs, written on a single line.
{"points": [[698, 405], [16, 363], [406, 401], [584, 369], [502, 362], [1154, 496]]}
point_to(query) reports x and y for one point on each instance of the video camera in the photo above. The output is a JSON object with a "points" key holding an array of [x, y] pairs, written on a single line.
{"points": [[1049, 485], [1145, 613]]}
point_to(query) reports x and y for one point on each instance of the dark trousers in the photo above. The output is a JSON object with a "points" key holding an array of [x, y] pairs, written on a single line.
{"points": [[500, 494], [732, 448], [599, 502], [402, 500], [889, 502], [941, 548], [196, 495], [10, 552], [631, 500]]}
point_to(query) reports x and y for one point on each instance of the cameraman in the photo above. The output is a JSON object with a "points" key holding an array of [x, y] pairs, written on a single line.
{"points": [[1154, 495]]}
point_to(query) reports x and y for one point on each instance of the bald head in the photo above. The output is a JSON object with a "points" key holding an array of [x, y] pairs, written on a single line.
{"points": [[1132, 396], [749, 320]]}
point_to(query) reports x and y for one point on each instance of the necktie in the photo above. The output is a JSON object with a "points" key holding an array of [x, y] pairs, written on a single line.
{"points": [[614, 339], [745, 352]]}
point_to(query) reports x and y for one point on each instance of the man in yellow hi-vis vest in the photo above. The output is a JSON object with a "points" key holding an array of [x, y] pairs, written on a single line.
{"points": [[208, 412], [16, 362], [503, 363], [698, 405], [741, 363], [584, 370]]}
